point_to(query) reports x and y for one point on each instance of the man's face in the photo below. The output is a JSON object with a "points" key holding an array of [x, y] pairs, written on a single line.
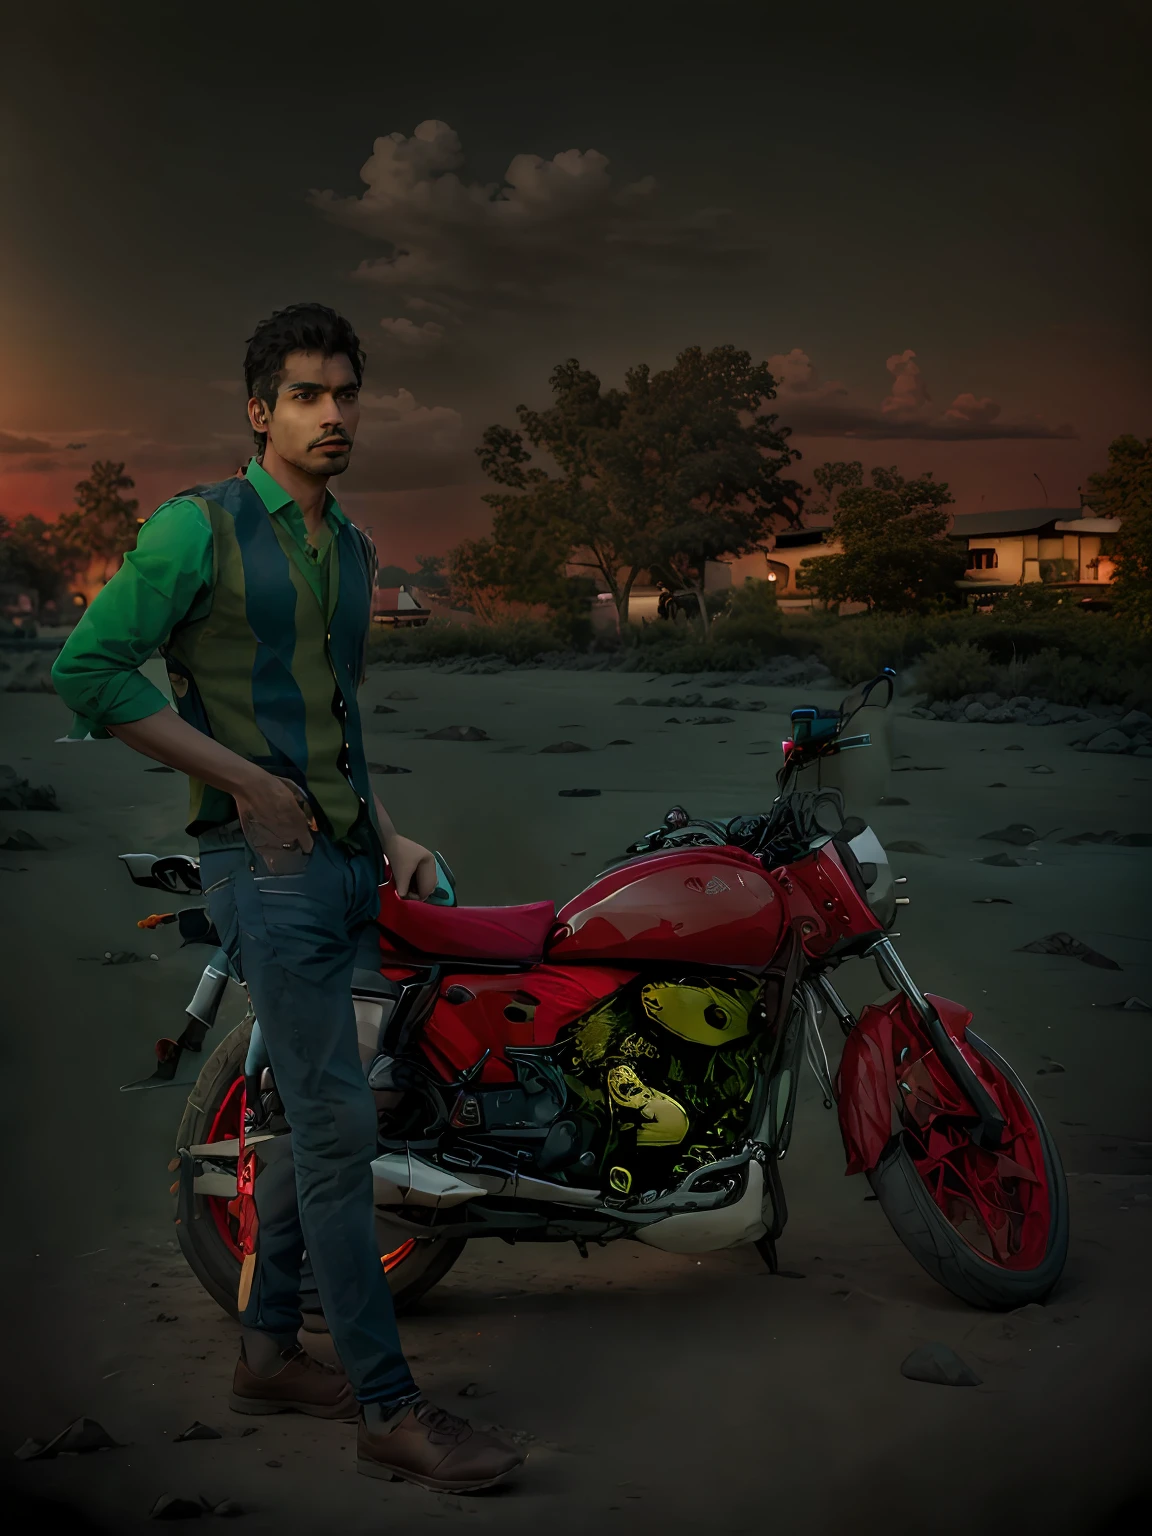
{"points": [[316, 414]]}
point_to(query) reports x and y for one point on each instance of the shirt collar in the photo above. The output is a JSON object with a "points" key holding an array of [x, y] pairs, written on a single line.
{"points": [[276, 498]]}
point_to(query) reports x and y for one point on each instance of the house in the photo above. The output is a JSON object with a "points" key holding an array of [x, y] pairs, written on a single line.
{"points": [[1060, 546]]}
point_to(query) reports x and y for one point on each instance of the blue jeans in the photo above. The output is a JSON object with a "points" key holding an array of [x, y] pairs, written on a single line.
{"points": [[293, 939]]}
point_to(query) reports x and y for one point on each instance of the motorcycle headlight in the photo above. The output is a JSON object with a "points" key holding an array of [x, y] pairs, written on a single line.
{"points": [[878, 878]]}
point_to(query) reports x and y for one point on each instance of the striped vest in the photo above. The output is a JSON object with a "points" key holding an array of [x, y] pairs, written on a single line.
{"points": [[266, 672]]}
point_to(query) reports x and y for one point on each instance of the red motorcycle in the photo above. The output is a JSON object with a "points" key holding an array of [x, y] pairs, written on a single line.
{"points": [[627, 1067]]}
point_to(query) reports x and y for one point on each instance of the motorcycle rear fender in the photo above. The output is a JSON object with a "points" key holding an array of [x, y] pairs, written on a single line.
{"points": [[867, 1089]]}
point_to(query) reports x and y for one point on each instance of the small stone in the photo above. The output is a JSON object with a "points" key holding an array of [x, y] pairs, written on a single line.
{"points": [[198, 1431], [1108, 741], [458, 733], [628, 700], [619, 742], [387, 768], [170, 1507], [227, 1509], [1019, 833], [1072, 948], [1014, 748], [251, 1430], [941, 1366], [273, 1463], [566, 746], [1129, 1005], [121, 957], [1041, 768], [384, 709], [991, 901], [892, 800], [998, 785], [577, 794], [911, 847], [401, 695], [1008, 860], [20, 841], [80, 1437]]}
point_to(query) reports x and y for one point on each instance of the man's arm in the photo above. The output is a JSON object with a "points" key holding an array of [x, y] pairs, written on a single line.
{"points": [[162, 581], [413, 867]]}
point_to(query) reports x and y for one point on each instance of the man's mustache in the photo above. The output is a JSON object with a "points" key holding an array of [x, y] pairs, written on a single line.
{"points": [[332, 437]]}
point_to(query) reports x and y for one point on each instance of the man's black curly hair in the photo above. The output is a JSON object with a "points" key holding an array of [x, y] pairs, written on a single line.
{"points": [[299, 328]]}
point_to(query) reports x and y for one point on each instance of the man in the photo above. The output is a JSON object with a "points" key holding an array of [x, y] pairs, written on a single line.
{"points": [[258, 591]]}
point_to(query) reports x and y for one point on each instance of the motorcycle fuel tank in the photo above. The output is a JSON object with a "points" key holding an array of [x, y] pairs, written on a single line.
{"points": [[707, 906]]}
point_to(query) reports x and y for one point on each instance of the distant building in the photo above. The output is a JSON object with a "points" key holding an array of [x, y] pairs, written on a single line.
{"points": [[407, 607], [1059, 546], [399, 608]]}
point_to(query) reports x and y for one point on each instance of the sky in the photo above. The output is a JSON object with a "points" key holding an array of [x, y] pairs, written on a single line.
{"points": [[931, 220]]}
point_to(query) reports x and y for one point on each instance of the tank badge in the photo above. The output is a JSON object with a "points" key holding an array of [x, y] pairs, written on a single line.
{"points": [[620, 1180]]}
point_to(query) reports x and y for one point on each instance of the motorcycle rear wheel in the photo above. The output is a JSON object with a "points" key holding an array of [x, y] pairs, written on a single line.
{"points": [[930, 1225], [207, 1233]]}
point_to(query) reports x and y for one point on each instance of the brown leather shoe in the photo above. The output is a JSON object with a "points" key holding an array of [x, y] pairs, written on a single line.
{"points": [[301, 1385], [436, 1450]]}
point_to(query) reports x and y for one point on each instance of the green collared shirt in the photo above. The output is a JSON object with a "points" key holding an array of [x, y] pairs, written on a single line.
{"points": [[167, 578]]}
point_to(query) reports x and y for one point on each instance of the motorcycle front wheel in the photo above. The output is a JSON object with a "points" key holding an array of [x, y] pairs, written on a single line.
{"points": [[991, 1229], [208, 1232]]}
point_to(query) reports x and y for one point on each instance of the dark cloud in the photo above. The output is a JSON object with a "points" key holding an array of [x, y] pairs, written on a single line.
{"points": [[828, 419], [11, 442], [816, 409], [524, 240]]}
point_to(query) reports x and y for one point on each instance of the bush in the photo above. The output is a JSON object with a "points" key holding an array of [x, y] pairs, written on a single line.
{"points": [[954, 669], [514, 639]]}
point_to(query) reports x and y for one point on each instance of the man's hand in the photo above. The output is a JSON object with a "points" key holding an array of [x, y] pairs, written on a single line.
{"points": [[413, 868], [274, 813]]}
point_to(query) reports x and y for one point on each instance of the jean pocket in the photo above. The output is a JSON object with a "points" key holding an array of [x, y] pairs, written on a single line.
{"points": [[276, 862]]}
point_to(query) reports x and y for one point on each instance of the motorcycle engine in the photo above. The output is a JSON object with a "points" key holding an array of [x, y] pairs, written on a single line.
{"points": [[666, 1074]]}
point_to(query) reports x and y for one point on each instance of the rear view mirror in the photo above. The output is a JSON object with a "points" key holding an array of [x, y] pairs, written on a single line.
{"points": [[175, 873], [876, 694]]}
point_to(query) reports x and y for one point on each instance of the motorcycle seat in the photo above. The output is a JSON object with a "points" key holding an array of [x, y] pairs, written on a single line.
{"points": [[503, 934]]}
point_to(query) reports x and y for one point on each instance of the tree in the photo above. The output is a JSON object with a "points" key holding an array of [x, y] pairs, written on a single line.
{"points": [[894, 557], [430, 572], [1124, 490], [104, 525], [706, 462], [671, 471], [31, 555]]}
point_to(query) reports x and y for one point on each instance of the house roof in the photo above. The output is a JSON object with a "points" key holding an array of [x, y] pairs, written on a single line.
{"points": [[798, 538], [1090, 525], [980, 525]]}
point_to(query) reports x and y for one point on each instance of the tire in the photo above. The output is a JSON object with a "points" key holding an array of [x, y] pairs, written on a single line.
{"points": [[924, 1229], [204, 1223]]}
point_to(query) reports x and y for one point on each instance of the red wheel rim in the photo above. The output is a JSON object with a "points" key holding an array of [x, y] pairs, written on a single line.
{"points": [[998, 1201], [226, 1127]]}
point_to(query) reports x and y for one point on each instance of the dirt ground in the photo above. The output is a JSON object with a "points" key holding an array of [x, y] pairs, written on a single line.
{"points": [[668, 1393]]}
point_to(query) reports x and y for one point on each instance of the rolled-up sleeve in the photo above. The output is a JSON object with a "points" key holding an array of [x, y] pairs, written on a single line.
{"points": [[161, 582]]}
